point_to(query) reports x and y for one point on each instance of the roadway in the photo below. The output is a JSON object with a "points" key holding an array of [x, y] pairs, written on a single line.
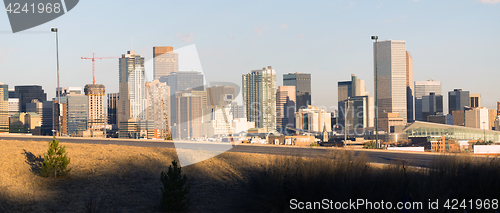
{"points": [[373, 156]]}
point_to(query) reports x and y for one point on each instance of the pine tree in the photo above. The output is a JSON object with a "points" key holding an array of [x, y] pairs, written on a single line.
{"points": [[175, 190], [56, 160]]}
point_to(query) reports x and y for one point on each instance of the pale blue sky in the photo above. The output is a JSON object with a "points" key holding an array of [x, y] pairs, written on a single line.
{"points": [[455, 41]]}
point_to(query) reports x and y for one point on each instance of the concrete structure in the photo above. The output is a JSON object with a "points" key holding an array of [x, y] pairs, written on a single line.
{"points": [[392, 71], [302, 84], [497, 123], [486, 149], [132, 104], [46, 111], [182, 81], [355, 104], [158, 103], [424, 88], [475, 100], [27, 93], [285, 108], [4, 108], [457, 100], [96, 110], [220, 123], [477, 118], [165, 61], [259, 97], [388, 122], [13, 106], [17, 123], [77, 114], [313, 119], [439, 118], [432, 104], [492, 114], [238, 111], [241, 125], [220, 96], [189, 116], [409, 88]]}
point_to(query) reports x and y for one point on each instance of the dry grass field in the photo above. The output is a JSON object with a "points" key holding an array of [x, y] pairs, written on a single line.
{"points": [[111, 178]]}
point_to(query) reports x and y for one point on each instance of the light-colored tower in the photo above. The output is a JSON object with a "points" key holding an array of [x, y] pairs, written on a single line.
{"points": [[391, 65], [96, 113], [475, 100], [165, 61], [285, 107], [259, 97], [409, 87], [158, 92], [132, 101], [4, 109]]}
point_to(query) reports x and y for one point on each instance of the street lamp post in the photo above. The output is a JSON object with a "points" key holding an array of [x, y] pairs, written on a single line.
{"points": [[376, 92], [58, 88]]}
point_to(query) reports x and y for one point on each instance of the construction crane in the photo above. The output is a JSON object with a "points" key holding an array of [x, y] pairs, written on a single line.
{"points": [[168, 135], [93, 64]]}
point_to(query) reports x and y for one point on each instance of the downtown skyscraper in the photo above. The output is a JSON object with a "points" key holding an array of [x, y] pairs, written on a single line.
{"points": [[132, 103], [391, 64], [259, 97], [302, 84], [165, 61], [424, 88]]}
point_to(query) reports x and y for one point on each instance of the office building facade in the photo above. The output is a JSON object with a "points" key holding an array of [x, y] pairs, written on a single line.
{"points": [[424, 88], [432, 104], [356, 107], [165, 61], [285, 108], [96, 110], [313, 119], [302, 84], [158, 104], [77, 114], [457, 100], [475, 100], [391, 68], [4, 108], [112, 108], [259, 97], [409, 88], [132, 103], [28, 93]]}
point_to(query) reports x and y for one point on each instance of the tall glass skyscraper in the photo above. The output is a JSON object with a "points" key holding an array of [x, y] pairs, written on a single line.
{"points": [[77, 112], [302, 83], [132, 103], [392, 76], [259, 97], [457, 100], [424, 88]]}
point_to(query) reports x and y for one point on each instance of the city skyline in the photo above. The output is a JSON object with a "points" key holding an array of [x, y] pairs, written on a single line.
{"points": [[225, 55]]}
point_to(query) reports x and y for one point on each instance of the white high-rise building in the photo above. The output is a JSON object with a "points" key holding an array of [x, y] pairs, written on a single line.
{"points": [[392, 75], [259, 97], [132, 104]]}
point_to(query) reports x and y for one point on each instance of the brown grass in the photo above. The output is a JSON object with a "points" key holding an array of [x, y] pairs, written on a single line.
{"points": [[111, 178]]}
